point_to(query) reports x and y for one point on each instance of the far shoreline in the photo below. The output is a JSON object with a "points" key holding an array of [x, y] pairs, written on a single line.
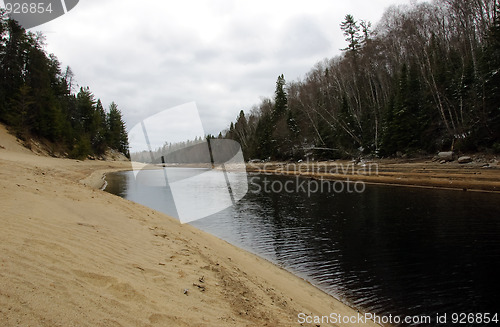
{"points": [[419, 174]]}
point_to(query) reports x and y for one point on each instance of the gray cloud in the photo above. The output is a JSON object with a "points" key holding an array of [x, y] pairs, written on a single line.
{"points": [[223, 55]]}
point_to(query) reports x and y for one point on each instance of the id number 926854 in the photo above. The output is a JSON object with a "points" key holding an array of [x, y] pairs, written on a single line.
{"points": [[474, 318], [28, 8]]}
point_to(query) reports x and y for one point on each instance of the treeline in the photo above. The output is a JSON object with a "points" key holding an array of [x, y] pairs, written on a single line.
{"points": [[210, 150], [37, 101], [426, 78], [172, 152]]}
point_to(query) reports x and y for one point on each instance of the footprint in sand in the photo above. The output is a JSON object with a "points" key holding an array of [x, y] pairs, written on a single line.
{"points": [[119, 290]]}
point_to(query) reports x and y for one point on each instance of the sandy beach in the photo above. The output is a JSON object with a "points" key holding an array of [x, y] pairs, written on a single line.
{"points": [[72, 255]]}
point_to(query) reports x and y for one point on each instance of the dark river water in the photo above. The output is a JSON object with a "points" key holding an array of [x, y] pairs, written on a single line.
{"points": [[387, 250]]}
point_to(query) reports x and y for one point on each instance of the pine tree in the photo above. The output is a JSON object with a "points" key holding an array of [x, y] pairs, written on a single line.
{"points": [[20, 105], [280, 98], [405, 119], [266, 145], [85, 102], [351, 32], [45, 117], [13, 56], [117, 134], [99, 129], [241, 129]]}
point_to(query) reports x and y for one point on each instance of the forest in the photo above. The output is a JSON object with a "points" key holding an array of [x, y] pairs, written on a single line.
{"points": [[38, 101], [426, 78]]}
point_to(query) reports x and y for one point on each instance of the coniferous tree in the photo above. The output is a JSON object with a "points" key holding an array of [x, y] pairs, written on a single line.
{"points": [[36, 98], [241, 129], [351, 32], [99, 128], [280, 98], [117, 133], [85, 102], [20, 105]]}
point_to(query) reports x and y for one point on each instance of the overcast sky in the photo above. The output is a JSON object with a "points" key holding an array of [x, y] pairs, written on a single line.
{"points": [[149, 56]]}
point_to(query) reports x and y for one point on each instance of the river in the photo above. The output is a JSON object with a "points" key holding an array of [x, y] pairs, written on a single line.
{"points": [[384, 249]]}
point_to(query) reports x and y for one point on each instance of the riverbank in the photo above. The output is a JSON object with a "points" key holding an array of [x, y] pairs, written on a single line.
{"points": [[474, 176], [74, 255]]}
